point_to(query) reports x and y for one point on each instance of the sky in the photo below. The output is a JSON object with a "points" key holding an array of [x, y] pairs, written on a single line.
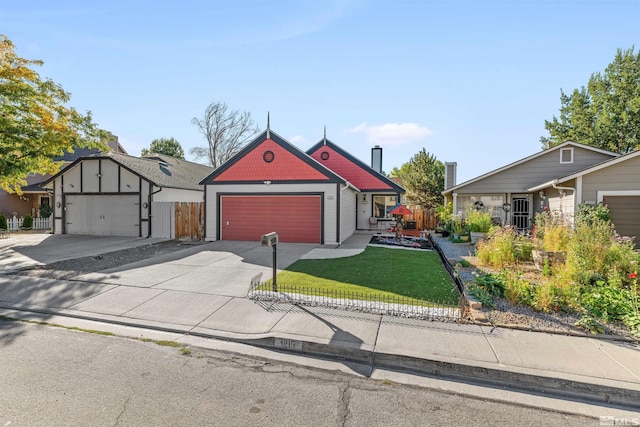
{"points": [[471, 82]]}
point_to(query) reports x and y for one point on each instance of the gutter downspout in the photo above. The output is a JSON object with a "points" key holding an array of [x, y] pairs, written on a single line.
{"points": [[557, 187], [150, 197], [340, 225]]}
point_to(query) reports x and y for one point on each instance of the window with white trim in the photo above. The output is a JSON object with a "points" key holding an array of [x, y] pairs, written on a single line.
{"points": [[566, 155]]}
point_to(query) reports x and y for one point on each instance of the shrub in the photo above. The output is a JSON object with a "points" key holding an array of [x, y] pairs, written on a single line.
{"points": [[518, 290], [3, 222], [551, 231], [491, 283], [523, 248], [478, 221], [45, 211], [445, 212], [588, 249], [486, 287], [606, 301], [27, 221], [590, 214], [499, 250], [556, 293]]}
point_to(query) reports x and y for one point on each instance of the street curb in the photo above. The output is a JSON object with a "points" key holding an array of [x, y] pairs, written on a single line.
{"points": [[478, 374]]}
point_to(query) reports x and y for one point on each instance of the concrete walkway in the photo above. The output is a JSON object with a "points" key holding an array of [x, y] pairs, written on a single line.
{"points": [[197, 293]]}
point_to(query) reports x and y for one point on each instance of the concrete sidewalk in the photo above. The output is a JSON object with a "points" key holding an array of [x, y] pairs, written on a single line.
{"points": [[186, 296]]}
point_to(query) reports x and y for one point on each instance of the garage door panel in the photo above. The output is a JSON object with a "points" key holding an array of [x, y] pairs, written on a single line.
{"points": [[296, 219], [114, 215], [625, 215]]}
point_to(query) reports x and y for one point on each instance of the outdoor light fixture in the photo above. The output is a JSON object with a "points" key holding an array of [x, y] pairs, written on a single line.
{"points": [[506, 207], [267, 182]]}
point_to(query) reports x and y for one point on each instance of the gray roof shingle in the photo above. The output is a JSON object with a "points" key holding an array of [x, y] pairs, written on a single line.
{"points": [[163, 170]]}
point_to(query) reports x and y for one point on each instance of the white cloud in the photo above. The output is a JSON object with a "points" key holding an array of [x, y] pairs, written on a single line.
{"points": [[392, 133], [297, 139]]}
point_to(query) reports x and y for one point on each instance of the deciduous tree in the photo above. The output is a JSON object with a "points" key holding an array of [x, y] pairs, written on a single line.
{"points": [[35, 123], [604, 114], [423, 177], [168, 146], [226, 132]]}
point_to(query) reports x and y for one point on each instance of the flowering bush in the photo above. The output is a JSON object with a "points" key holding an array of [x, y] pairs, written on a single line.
{"points": [[551, 231]]}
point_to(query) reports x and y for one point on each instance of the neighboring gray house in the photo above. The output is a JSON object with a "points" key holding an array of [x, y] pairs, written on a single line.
{"points": [[114, 194], [516, 192], [615, 182]]}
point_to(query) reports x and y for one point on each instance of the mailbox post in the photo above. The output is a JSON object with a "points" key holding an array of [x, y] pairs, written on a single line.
{"points": [[271, 239]]}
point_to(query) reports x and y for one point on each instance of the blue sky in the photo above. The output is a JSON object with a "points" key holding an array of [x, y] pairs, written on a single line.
{"points": [[470, 81]]}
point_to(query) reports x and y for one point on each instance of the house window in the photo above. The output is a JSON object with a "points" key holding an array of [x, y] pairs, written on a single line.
{"points": [[381, 204], [45, 200], [566, 155], [491, 203]]}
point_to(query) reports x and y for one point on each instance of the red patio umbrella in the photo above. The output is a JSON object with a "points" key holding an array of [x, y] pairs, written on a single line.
{"points": [[400, 210]]}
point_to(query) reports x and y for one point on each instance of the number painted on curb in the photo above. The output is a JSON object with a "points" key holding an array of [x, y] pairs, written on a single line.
{"points": [[288, 344]]}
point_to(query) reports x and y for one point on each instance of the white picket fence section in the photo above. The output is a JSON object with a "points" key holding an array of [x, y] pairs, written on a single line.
{"points": [[15, 224]]}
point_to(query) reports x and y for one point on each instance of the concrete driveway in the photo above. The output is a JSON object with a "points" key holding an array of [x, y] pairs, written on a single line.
{"points": [[222, 268], [27, 250]]}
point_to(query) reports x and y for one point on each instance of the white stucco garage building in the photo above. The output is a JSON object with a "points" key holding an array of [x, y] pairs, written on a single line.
{"points": [[113, 193]]}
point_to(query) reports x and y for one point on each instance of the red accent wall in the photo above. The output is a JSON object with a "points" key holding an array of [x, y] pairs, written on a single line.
{"points": [[284, 167], [350, 171], [296, 219]]}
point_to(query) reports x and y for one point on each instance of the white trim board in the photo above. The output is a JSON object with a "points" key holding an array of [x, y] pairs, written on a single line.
{"points": [[601, 194]]}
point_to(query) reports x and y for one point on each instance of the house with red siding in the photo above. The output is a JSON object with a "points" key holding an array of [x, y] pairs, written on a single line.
{"points": [[320, 196]]}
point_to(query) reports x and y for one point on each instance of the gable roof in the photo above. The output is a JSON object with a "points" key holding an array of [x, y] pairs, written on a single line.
{"points": [[527, 159], [588, 170], [161, 170], [112, 143], [355, 171], [287, 164]]}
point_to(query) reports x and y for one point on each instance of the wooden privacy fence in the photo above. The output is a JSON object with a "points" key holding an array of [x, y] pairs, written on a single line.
{"points": [[177, 220], [189, 220], [426, 219]]}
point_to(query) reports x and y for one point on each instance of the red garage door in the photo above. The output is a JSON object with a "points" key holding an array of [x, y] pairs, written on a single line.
{"points": [[296, 219]]}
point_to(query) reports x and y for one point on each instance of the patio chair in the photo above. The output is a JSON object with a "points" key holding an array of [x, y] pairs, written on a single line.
{"points": [[373, 223]]}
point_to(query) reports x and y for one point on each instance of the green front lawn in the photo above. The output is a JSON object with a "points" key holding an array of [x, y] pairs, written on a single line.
{"points": [[379, 271]]}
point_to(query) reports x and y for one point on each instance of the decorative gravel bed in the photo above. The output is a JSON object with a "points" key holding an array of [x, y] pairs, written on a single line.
{"points": [[512, 316], [71, 268]]}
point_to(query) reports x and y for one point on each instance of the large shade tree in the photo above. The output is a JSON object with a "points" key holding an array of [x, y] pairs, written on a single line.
{"points": [[168, 146], [423, 178], [36, 125], [226, 132], [604, 114]]}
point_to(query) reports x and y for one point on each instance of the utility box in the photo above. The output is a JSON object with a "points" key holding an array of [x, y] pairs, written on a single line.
{"points": [[270, 239]]}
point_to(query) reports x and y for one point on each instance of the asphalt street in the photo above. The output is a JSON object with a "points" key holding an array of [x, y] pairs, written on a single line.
{"points": [[54, 376]]}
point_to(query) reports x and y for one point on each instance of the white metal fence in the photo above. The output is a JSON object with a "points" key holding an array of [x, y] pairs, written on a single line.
{"points": [[15, 224]]}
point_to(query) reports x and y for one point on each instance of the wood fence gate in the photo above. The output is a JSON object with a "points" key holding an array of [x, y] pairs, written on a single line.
{"points": [[426, 219], [177, 220]]}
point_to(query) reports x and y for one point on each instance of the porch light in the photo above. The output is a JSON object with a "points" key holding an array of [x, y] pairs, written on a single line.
{"points": [[506, 207]]}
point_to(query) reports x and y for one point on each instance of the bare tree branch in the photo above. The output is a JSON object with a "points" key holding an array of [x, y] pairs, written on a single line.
{"points": [[226, 132]]}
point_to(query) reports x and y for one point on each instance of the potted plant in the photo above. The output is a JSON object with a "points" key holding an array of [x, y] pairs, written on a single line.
{"points": [[445, 215], [456, 228], [479, 224]]}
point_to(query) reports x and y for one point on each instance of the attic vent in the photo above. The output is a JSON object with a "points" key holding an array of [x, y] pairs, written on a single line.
{"points": [[566, 155]]}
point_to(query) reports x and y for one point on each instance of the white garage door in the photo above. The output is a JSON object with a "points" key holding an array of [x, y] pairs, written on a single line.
{"points": [[113, 215]]}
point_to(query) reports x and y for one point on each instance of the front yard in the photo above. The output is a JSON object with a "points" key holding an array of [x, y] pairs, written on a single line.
{"points": [[376, 273]]}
